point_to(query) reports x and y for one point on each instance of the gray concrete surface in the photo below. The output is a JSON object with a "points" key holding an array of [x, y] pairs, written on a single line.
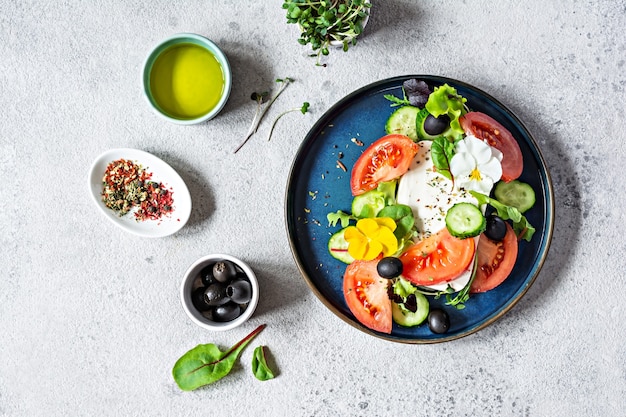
{"points": [[90, 318]]}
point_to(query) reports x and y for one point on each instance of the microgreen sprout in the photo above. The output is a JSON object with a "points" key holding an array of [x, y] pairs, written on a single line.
{"points": [[324, 21], [303, 110], [260, 98]]}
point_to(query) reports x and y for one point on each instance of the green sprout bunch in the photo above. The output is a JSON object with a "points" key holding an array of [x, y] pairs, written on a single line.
{"points": [[322, 22]]}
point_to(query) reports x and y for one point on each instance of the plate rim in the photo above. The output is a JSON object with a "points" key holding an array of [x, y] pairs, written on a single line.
{"points": [[543, 248], [144, 157]]}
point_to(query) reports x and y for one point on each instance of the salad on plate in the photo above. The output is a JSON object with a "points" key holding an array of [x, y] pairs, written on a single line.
{"points": [[437, 212]]}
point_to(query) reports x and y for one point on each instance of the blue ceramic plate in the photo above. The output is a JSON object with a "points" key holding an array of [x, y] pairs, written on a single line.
{"points": [[318, 186]]}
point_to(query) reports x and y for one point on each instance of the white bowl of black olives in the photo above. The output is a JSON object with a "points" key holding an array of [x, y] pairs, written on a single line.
{"points": [[219, 292]]}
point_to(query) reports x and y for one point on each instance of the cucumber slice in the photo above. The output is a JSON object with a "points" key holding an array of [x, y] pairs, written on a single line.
{"points": [[405, 317], [338, 247], [515, 194], [368, 204], [465, 220], [402, 121]]}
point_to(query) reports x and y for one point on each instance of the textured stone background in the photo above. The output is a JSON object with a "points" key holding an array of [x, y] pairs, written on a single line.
{"points": [[90, 318]]}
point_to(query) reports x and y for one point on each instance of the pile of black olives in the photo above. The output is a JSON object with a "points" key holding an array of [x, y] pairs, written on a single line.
{"points": [[224, 293]]}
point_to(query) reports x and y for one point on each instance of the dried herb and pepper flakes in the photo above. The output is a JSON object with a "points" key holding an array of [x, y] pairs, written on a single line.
{"points": [[127, 185]]}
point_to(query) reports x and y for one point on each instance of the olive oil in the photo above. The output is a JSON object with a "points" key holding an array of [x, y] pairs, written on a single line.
{"points": [[187, 81]]}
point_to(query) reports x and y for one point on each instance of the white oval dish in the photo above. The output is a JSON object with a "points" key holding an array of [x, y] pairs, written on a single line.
{"points": [[161, 172]]}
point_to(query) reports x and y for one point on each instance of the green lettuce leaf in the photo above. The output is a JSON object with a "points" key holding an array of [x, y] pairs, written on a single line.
{"points": [[445, 100]]}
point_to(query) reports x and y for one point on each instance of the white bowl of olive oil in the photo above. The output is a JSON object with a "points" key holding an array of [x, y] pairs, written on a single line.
{"points": [[187, 79]]}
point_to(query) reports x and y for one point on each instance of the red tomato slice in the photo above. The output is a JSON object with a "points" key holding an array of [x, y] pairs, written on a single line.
{"points": [[495, 261], [366, 295], [496, 135], [384, 160], [438, 258]]}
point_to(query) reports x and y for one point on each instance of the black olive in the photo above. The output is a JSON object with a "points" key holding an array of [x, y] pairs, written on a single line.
{"points": [[206, 275], [436, 125], [224, 271], [411, 303], [215, 294], [226, 312], [389, 267], [239, 291], [438, 321], [496, 228], [198, 301], [393, 297]]}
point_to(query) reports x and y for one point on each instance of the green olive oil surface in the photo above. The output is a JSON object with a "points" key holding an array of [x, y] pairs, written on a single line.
{"points": [[186, 81]]}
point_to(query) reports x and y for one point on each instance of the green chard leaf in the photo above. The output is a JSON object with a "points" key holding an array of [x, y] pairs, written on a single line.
{"points": [[206, 364], [261, 370], [523, 229], [442, 151]]}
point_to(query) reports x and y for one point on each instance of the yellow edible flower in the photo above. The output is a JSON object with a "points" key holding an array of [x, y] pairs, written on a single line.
{"points": [[371, 237]]}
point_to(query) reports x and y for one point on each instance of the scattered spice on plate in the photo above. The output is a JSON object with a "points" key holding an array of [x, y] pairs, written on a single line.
{"points": [[127, 186], [357, 142]]}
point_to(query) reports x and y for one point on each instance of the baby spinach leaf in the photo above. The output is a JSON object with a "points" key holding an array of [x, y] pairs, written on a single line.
{"points": [[261, 370], [206, 364], [402, 215]]}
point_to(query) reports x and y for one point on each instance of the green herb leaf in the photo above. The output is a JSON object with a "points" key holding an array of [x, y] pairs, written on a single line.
{"points": [[339, 216], [523, 229], [206, 364], [395, 101], [322, 22], [261, 370], [260, 112], [442, 151], [303, 110], [462, 296]]}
